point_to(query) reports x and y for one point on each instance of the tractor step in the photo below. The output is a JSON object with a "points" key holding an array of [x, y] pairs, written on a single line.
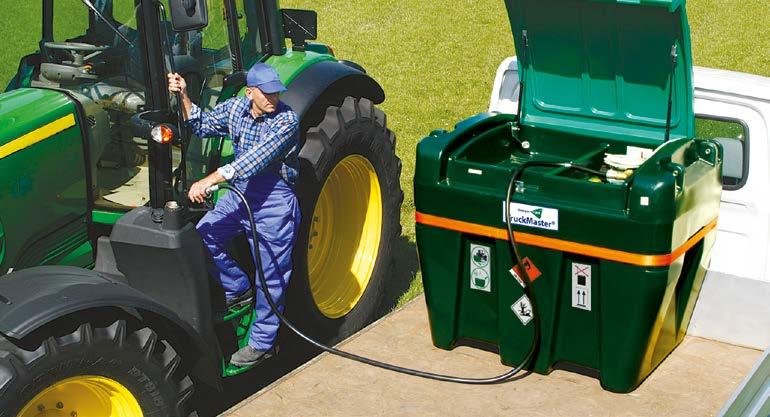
{"points": [[235, 313], [232, 370]]}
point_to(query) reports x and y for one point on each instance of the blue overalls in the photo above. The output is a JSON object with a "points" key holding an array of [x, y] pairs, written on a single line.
{"points": [[265, 158], [277, 215]]}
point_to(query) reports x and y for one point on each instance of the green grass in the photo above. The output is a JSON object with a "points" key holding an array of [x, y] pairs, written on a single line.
{"points": [[21, 30], [731, 34], [436, 59]]}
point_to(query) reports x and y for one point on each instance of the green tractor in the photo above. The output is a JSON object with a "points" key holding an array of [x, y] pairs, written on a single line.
{"points": [[106, 306]]}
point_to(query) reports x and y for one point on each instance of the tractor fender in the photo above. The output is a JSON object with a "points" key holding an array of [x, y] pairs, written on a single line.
{"points": [[325, 84], [33, 297]]}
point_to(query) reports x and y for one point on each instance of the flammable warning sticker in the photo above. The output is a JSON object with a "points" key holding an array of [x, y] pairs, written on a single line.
{"points": [[533, 216], [532, 271]]}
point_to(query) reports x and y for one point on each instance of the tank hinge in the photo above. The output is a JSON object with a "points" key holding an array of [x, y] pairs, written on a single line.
{"points": [[674, 58]]}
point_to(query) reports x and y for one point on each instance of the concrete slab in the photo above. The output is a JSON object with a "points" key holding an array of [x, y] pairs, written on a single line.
{"points": [[695, 380]]}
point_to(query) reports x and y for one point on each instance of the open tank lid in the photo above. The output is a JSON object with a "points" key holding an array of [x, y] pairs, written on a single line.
{"points": [[603, 67]]}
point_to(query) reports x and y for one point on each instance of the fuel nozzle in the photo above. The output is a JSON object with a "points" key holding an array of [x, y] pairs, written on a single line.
{"points": [[211, 190], [208, 203]]}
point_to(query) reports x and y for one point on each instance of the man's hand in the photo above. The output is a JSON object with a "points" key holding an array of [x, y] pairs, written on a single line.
{"points": [[197, 191], [177, 84]]}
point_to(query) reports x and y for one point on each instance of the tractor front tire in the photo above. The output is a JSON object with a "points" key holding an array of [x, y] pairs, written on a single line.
{"points": [[350, 194], [94, 371]]}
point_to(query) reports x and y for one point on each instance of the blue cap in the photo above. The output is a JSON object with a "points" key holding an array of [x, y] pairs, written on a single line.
{"points": [[265, 78]]}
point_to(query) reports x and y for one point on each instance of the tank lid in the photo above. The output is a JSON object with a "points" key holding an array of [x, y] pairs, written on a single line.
{"points": [[603, 68]]}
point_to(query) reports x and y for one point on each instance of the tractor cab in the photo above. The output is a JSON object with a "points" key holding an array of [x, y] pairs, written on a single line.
{"points": [[100, 56]]}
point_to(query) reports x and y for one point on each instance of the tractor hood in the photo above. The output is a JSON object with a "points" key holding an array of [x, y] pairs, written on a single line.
{"points": [[603, 68], [24, 111]]}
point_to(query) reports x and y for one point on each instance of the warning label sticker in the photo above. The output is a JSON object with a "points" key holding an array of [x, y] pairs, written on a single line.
{"points": [[532, 271], [581, 286], [480, 271], [523, 309], [533, 216], [515, 272]]}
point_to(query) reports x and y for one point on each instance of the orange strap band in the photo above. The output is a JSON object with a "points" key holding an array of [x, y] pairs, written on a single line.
{"points": [[565, 245]]}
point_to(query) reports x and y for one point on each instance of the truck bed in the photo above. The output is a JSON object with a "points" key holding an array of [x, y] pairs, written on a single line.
{"points": [[697, 379]]}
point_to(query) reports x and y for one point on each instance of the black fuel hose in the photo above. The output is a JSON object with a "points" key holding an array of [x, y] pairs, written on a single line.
{"points": [[423, 374]]}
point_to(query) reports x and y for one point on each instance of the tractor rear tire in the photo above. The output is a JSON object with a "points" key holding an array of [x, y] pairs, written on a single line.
{"points": [[350, 195], [104, 371]]}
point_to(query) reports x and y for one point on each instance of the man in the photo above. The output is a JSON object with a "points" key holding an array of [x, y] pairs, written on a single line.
{"points": [[265, 134]]}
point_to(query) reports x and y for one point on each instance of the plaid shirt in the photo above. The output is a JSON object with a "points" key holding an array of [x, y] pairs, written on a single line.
{"points": [[264, 144]]}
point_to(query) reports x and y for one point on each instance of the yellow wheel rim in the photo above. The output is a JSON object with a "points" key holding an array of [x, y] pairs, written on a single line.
{"points": [[344, 236], [83, 396]]}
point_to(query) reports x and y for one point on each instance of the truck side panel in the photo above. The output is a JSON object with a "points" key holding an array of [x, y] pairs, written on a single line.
{"points": [[733, 303]]}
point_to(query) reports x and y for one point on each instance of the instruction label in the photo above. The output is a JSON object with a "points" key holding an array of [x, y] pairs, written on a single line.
{"points": [[533, 216], [522, 308], [481, 274], [581, 286]]}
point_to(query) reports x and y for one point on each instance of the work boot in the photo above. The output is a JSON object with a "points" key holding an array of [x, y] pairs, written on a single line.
{"points": [[240, 301], [247, 356]]}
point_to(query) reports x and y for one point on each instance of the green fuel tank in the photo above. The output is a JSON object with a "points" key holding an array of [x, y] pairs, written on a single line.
{"points": [[617, 258]]}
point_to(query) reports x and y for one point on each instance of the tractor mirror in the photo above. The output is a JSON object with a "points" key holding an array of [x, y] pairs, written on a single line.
{"points": [[300, 25], [236, 80], [188, 15]]}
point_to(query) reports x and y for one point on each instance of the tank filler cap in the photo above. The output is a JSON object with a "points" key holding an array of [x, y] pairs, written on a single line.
{"points": [[173, 218]]}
